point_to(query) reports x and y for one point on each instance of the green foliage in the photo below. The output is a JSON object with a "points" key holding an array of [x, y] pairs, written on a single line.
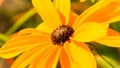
{"points": [[109, 54], [116, 26]]}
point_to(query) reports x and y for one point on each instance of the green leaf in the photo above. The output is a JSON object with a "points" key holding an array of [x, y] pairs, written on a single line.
{"points": [[116, 26]]}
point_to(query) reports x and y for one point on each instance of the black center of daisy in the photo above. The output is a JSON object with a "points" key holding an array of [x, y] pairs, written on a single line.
{"points": [[61, 34]]}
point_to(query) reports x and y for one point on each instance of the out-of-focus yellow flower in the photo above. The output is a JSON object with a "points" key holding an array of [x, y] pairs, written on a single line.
{"points": [[1, 1], [61, 37], [82, 0], [85, 0]]}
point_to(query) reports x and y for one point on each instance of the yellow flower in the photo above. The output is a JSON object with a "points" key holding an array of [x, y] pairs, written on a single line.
{"points": [[85, 0], [1, 1], [60, 38]]}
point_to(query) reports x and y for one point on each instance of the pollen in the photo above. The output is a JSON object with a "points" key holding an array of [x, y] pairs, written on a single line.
{"points": [[61, 34]]}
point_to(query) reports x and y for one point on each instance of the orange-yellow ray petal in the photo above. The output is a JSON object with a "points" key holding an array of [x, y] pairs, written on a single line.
{"points": [[100, 12], [48, 12], [25, 59], [64, 60], [19, 44], [89, 32], [26, 31], [12, 52], [44, 28], [112, 41], [112, 32], [81, 45], [79, 57], [27, 39], [63, 6], [107, 12], [73, 17], [48, 59], [113, 19], [34, 31]]}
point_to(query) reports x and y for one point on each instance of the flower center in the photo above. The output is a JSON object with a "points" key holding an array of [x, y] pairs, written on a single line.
{"points": [[61, 34]]}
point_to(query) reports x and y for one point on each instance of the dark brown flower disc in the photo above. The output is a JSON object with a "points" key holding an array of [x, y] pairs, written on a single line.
{"points": [[61, 34]]}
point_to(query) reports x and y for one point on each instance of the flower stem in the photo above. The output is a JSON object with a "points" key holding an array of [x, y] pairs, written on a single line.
{"points": [[22, 20], [104, 59], [106, 62], [102, 62]]}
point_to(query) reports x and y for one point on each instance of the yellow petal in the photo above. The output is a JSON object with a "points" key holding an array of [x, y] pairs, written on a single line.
{"points": [[19, 44], [64, 60], [112, 41], [102, 11], [44, 28], [47, 11], [82, 0], [27, 31], [73, 17], [89, 32], [33, 32], [12, 52], [115, 19], [63, 6], [115, 16], [48, 59], [80, 57], [112, 20], [23, 60], [93, 1]]}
